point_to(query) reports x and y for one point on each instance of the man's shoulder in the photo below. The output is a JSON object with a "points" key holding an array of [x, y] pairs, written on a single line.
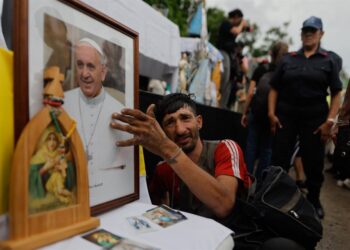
{"points": [[334, 54], [225, 26], [229, 155], [225, 22], [336, 59], [221, 149], [227, 143]]}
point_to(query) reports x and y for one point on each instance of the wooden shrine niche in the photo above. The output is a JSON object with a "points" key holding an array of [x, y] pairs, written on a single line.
{"points": [[49, 192]]}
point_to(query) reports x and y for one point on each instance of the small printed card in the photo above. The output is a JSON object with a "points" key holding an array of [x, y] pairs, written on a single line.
{"points": [[107, 240], [103, 238], [139, 224], [126, 244], [164, 216]]}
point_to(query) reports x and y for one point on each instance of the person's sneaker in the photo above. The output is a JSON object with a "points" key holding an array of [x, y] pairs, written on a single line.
{"points": [[346, 183], [340, 183], [319, 209], [320, 212]]}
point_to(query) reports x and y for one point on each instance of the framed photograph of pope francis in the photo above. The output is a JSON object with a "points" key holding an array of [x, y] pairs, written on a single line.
{"points": [[98, 58]]}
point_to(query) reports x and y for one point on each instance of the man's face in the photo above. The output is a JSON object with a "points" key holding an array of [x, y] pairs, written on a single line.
{"points": [[236, 20], [90, 72], [311, 37], [183, 127]]}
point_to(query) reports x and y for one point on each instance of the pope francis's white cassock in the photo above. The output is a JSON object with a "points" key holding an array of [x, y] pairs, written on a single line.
{"points": [[111, 168]]}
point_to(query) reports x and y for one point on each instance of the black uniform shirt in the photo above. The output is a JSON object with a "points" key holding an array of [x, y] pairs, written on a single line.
{"points": [[259, 72], [299, 79]]}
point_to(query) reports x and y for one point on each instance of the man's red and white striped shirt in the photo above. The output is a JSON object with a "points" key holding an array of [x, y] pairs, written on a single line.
{"points": [[228, 158]]}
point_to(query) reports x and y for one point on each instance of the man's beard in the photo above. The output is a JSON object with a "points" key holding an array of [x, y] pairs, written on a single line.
{"points": [[188, 148]]}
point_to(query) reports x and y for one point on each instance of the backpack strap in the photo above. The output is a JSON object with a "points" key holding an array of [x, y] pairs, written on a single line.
{"points": [[206, 161], [207, 158], [252, 188]]}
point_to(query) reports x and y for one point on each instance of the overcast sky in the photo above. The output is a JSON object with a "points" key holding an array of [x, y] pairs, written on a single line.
{"points": [[267, 13]]}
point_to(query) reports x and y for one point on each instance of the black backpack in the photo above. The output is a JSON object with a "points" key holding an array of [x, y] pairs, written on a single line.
{"points": [[260, 107], [273, 207], [277, 205]]}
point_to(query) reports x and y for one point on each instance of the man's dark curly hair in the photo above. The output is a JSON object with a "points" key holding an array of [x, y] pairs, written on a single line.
{"points": [[235, 13], [172, 103]]}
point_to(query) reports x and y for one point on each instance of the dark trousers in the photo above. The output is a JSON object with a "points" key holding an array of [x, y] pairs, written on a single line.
{"points": [[272, 243], [259, 141], [302, 120]]}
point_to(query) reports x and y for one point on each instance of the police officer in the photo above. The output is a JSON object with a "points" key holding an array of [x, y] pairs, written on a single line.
{"points": [[298, 106]]}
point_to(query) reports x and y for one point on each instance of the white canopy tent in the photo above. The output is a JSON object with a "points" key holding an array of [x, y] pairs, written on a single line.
{"points": [[159, 38]]}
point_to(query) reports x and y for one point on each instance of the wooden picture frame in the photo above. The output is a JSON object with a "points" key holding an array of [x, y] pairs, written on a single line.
{"points": [[31, 46]]}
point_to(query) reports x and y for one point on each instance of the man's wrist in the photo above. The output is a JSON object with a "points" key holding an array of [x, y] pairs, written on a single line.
{"points": [[172, 159], [331, 121], [168, 149]]}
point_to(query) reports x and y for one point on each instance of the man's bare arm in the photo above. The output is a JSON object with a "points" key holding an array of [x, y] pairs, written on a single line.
{"points": [[334, 106], [250, 94], [325, 129], [218, 194], [272, 102], [238, 29]]}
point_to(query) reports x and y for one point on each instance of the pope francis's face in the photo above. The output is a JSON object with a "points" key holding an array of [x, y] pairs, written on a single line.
{"points": [[90, 72]]}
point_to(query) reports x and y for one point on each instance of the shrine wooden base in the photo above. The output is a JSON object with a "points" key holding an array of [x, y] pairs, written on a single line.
{"points": [[38, 240]]}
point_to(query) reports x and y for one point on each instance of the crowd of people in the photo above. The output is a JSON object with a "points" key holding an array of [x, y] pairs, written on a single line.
{"points": [[288, 120], [286, 105]]}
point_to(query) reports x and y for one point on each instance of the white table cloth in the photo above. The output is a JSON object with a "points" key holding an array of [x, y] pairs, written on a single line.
{"points": [[194, 233]]}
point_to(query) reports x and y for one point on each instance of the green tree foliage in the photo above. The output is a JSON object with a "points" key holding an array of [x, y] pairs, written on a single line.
{"points": [[175, 10], [259, 47], [215, 17], [344, 77], [250, 39]]}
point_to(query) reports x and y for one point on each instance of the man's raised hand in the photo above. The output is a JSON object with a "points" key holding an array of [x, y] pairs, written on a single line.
{"points": [[145, 128]]}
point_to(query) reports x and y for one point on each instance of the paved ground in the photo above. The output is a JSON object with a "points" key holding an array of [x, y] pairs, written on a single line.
{"points": [[336, 224]]}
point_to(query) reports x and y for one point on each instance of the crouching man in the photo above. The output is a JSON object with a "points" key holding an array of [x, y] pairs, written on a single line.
{"points": [[189, 178], [200, 177]]}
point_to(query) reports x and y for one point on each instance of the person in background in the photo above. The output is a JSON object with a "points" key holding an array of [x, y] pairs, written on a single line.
{"points": [[259, 140], [342, 143], [298, 106], [230, 29], [238, 91], [228, 32], [297, 163]]}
